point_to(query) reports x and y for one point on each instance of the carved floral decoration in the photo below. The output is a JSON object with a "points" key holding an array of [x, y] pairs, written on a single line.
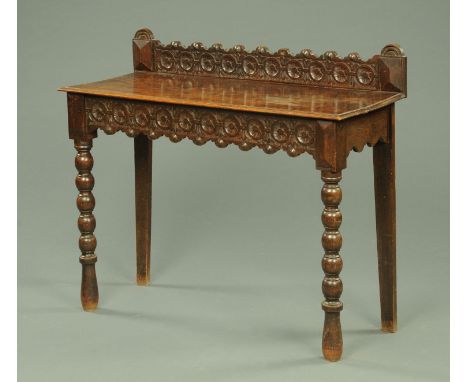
{"points": [[246, 130]]}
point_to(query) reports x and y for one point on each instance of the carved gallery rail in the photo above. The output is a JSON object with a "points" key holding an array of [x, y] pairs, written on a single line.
{"points": [[324, 105]]}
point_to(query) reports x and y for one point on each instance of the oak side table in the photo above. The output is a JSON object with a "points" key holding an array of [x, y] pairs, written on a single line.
{"points": [[324, 106]]}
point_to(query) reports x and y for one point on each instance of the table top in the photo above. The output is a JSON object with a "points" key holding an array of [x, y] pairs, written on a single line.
{"points": [[241, 94]]}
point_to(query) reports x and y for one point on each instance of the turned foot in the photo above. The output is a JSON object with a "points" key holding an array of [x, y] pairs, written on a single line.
{"points": [[89, 287], [332, 342]]}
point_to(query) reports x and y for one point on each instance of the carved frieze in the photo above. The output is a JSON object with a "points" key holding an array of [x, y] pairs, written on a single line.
{"points": [[327, 70], [386, 71], [246, 130]]}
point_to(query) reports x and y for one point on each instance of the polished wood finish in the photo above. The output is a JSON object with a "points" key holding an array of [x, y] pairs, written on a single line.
{"points": [[324, 106], [385, 72], [86, 223], [222, 127], [143, 150], [332, 287], [385, 208], [78, 127], [240, 95]]}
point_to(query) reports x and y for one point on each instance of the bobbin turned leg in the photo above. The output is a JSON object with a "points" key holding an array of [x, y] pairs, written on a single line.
{"points": [[143, 148], [86, 223], [385, 206], [332, 342]]}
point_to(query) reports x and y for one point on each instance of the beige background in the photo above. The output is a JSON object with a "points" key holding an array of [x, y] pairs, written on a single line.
{"points": [[236, 236]]}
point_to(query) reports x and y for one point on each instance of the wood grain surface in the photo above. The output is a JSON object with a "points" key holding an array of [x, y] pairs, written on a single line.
{"points": [[242, 95]]}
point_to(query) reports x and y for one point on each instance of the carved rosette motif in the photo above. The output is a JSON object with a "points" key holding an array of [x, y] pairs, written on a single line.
{"points": [[246, 130], [304, 68]]}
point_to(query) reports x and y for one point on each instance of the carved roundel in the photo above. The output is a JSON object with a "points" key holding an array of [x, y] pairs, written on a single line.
{"points": [[208, 123], [272, 67], [119, 114], [142, 117], [255, 129], [365, 75], [317, 71], [304, 68], [305, 135], [98, 111], [167, 60], [186, 121], [163, 119], [207, 62], [294, 69], [280, 132], [228, 64], [186, 61], [231, 126], [341, 73], [249, 65], [200, 125]]}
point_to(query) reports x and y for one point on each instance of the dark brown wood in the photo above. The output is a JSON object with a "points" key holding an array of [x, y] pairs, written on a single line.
{"points": [[330, 154], [392, 63], [332, 287], [240, 95], [334, 140], [143, 150], [325, 106], [223, 127], [142, 50], [77, 125], [86, 223], [381, 72], [385, 208]]}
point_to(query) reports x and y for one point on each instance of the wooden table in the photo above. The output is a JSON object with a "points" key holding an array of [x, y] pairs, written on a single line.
{"points": [[324, 106]]}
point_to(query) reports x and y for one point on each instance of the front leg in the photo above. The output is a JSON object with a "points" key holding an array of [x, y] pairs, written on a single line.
{"points": [[332, 341], [86, 223]]}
